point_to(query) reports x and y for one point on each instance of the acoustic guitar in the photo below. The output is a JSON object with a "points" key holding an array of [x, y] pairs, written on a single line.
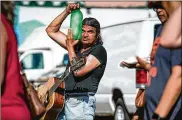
{"points": [[53, 99]]}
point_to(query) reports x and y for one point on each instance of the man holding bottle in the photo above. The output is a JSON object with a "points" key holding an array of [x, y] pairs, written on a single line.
{"points": [[81, 84]]}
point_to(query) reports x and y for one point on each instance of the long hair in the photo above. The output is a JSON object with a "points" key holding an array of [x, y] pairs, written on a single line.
{"points": [[94, 23], [7, 8]]}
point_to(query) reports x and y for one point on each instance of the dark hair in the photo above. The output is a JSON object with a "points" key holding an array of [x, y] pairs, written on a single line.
{"points": [[94, 23], [7, 8]]}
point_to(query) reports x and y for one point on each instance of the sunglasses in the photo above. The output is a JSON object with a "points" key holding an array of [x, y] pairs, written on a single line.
{"points": [[156, 7]]}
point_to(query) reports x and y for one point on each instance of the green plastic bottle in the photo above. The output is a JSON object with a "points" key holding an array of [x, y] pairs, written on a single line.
{"points": [[76, 24]]}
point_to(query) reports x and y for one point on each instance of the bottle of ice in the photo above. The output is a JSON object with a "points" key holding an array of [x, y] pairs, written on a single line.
{"points": [[76, 24]]}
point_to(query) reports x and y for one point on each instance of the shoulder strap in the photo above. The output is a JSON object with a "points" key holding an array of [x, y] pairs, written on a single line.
{"points": [[87, 52], [81, 55]]}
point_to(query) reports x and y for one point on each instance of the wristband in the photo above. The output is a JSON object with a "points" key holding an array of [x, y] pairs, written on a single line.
{"points": [[157, 117]]}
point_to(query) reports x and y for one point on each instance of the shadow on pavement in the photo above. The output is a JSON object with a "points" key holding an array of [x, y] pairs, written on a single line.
{"points": [[104, 118]]}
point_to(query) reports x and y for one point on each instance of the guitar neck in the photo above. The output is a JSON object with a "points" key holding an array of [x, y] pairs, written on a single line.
{"points": [[55, 86], [58, 82], [80, 63]]}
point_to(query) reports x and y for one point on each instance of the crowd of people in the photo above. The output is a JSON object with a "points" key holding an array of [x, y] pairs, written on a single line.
{"points": [[162, 93]]}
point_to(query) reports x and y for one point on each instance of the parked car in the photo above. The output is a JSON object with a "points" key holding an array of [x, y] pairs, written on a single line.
{"points": [[117, 89]]}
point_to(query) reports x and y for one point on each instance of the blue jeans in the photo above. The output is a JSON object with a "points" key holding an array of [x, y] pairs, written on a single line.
{"points": [[78, 107]]}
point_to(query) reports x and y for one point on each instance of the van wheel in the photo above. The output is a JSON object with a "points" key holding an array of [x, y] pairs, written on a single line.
{"points": [[119, 113]]}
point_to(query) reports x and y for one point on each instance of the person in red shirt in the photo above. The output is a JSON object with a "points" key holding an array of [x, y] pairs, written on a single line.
{"points": [[13, 102]]}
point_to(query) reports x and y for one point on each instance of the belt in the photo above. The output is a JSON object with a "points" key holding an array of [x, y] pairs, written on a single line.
{"points": [[79, 94]]}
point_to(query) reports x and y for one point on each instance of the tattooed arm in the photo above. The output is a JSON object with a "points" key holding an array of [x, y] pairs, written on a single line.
{"points": [[91, 61]]}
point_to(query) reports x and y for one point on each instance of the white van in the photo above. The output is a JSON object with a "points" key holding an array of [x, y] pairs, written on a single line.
{"points": [[40, 56], [118, 84]]}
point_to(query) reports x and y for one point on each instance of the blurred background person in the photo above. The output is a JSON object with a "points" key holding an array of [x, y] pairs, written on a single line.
{"points": [[166, 80], [13, 103], [163, 17], [165, 77], [169, 106]]}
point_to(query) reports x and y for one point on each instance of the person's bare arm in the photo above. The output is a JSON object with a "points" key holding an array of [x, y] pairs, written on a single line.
{"points": [[171, 33], [141, 64], [171, 92], [3, 52], [53, 28], [91, 61]]}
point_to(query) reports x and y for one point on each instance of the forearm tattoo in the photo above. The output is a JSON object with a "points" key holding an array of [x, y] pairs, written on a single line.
{"points": [[77, 64]]}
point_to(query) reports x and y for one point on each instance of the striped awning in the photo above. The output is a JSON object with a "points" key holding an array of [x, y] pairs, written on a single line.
{"points": [[44, 3], [86, 4]]}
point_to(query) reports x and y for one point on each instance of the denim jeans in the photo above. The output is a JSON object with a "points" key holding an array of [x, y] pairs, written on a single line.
{"points": [[78, 108]]}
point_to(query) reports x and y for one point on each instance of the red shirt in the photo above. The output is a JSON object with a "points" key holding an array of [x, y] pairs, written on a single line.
{"points": [[13, 105]]}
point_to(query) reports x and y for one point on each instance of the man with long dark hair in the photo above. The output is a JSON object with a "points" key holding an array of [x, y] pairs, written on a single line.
{"points": [[81, 84]]}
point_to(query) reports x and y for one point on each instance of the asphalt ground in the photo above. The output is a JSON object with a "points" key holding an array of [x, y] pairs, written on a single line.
{"points": [[104, 118]]}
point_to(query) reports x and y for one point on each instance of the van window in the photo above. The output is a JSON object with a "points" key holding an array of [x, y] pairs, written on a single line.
{"points": [[33, 61]]}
